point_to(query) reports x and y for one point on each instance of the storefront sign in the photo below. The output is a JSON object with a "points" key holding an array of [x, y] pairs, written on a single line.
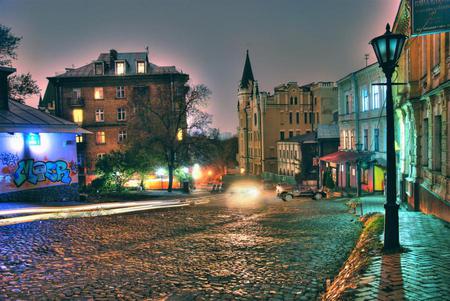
{"points": [[430, 16]]}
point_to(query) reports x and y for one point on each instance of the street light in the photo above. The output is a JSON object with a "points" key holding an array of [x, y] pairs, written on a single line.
{"points": [[388, 48]]}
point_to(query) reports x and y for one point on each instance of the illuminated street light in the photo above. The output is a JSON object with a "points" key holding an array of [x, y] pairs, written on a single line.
{"points": [[388, 48], [196, 172]]}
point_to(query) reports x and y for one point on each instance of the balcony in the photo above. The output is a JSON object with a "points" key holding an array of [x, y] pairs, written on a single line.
{"points": [[76, 102]]}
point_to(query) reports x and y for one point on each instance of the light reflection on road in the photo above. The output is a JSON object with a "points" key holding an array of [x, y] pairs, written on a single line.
{"points": [[91, 210]]}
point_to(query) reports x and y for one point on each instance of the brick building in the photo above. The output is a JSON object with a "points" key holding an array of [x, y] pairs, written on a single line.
{"points": [[266, 118], [99, 96], [422, 118]]}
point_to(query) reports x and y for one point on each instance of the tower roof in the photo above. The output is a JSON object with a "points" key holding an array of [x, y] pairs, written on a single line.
{"points": [[247, 75]]}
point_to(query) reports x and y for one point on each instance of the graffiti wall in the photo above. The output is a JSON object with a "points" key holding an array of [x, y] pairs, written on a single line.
{"points": [[29, 161]]}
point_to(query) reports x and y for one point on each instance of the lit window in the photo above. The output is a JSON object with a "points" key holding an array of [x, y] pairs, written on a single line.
{"points": [[180, 135], [141, 67], [99, 115], [100, 156], [99, 70], [98, 93], [120, 92], [100, 137], [78, 115], [120, 68], [122, 136], [79, 138], [121, 114]]}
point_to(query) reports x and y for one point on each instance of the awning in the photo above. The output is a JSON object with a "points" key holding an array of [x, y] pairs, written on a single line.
{"points": [[346, 156]]}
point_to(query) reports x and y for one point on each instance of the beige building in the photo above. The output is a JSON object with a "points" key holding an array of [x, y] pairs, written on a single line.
{"points": [[266, 118]]}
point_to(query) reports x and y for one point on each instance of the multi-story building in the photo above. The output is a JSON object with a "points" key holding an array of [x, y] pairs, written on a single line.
{"points": [[423, 115], [266, 118], [99, 96], [362, 126]]}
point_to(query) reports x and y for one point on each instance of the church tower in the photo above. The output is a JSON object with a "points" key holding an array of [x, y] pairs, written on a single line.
{"points": [[245, 92]]}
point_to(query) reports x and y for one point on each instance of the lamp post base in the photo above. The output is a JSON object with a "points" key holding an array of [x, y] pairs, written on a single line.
{"points": [[391, 227]]}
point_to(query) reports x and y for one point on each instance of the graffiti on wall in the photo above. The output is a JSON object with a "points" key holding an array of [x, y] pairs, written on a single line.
{"points": [[8, 159], [33, 172]]}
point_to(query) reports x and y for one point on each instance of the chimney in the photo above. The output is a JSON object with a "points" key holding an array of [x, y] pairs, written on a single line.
{"points": [[4, 98], [112, 58]]}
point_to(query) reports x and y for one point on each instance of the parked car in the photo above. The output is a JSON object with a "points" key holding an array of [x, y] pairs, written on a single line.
{"points": [[287, 192]]}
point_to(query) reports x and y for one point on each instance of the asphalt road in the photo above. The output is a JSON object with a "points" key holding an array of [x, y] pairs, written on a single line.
{"points": [[229, 249]]}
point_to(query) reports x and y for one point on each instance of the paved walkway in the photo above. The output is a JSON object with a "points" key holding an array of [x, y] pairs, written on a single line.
{"points": [[420, 273]]}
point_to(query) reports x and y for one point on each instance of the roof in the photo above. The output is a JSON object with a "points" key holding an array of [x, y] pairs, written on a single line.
{"points": [[346, 156], [130, 59], [327, 131], [247, 75], [24, 119], [305, 138]]}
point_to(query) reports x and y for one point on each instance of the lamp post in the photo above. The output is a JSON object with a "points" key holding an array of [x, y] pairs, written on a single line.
{"points": [[388, 48]]}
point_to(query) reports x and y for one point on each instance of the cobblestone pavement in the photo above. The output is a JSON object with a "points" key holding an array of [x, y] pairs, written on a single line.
{"points": [[220, 251], [420, 273]]}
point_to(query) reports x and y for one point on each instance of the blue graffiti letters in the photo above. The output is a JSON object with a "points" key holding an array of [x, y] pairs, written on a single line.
{"points": [[39, 171]]}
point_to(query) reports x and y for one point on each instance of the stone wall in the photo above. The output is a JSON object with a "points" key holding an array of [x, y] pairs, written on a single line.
{"points": [[59, 193]]}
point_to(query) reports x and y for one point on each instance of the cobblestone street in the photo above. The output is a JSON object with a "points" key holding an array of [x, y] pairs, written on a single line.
{"points": [[220, 251]]}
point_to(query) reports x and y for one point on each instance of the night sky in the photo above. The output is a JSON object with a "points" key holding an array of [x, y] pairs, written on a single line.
{"points": [[296, 40]]}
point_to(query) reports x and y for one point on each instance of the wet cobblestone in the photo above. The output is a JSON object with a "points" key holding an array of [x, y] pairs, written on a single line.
{"points": [[270, 250]]}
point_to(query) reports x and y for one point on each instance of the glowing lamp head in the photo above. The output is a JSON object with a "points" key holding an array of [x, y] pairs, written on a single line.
{"points": [[34, 139], [242, 171], [160, 172], [388, 48]]}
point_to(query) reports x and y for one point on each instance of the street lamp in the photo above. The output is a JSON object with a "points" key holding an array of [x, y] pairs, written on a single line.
{"points": [[388, 48]]}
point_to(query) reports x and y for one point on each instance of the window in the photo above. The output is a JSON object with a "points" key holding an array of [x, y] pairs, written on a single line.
{"points": [[437, 143], [255, 121], [311, 117], [76, 93], [141, 67], [100, 137], [317, 118], [296, 100], [98, 93], [121, 114], [120, 92], [425, 142], [122, 136], [305, 117], [290, 117], [375, 97], [291, 134], [436, 48], [364, 100], [77, 115], [120, 68], [281, 135], [352, 139], [347, 104], [79, 138], [99, 69], [346, 145], [376, 138], [100, 156], [366, 139], [291, 100], [424, 55], [297, 117], [99, 115]]}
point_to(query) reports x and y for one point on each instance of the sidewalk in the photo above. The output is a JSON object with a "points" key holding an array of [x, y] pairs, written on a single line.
{"points": [[420, 273]]}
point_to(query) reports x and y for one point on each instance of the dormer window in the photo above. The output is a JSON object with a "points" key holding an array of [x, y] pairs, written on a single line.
{"points": [[120, 67], [99, 68], [141, 67]]}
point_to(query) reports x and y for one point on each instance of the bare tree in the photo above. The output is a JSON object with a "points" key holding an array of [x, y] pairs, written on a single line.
{"points": [[170, 123], [21, 86]]}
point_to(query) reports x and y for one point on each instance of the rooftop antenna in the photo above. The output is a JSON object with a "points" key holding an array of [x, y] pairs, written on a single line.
{"points": [[366, 57]]}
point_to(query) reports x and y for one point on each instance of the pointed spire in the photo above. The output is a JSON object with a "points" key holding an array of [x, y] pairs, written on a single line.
{"points": [[247, 75]]}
